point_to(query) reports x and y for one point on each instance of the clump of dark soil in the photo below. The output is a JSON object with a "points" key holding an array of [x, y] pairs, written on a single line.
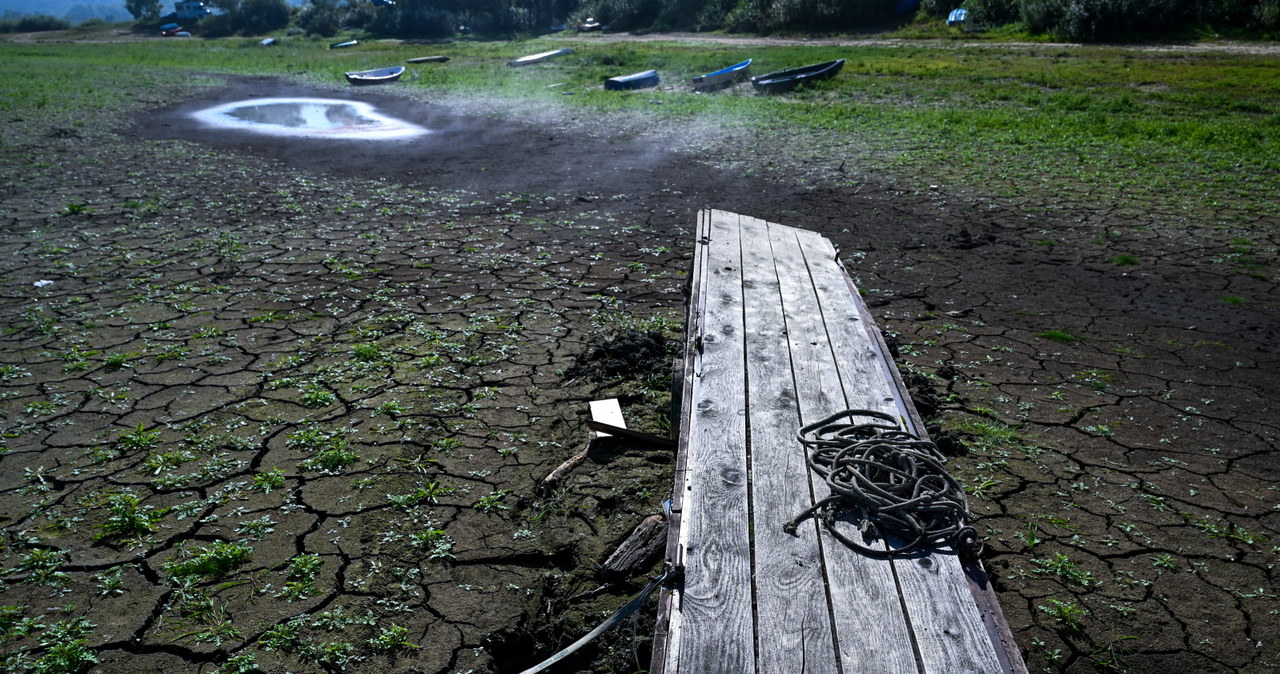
{"points": [[631, 354]]}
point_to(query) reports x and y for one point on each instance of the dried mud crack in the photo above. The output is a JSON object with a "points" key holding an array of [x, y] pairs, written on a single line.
{"points": [[283, 406]]}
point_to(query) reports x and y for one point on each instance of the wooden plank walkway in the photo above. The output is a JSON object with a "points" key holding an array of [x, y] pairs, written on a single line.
{"points": [[778, 338]]}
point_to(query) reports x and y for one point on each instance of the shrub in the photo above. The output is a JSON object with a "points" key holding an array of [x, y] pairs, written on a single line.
{"points": [[938, 7], [319, 18], [33, 24], [1095, 20], [992, 12], [413, 20], [1266, 15], [263, 16]]}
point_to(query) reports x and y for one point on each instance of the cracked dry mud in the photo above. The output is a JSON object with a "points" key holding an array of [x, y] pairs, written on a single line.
{"points": [[286, 403]]}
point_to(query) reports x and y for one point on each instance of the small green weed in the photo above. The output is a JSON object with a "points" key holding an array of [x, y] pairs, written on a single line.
{"points": [[1062, 566], [269, 480], [391, 639], [116, 361], [211, 561], [1059, 336], [128, 518], [1069, 614], [316, 396], [138, 439], [331, 460], [367, 353], [492, 501], [439, 544]]}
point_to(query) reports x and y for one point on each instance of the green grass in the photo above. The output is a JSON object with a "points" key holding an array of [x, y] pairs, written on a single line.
{"points": [[1099, 123], [1059, 336]]}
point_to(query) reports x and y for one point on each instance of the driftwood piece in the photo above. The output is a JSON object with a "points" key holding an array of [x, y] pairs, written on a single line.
{"points": [[605, 412], [552, 480], [639, 551]]}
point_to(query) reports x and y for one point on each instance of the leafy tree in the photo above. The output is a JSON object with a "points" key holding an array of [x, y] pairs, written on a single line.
{"points": [[320, 17], [143, 10], [263, 16]]}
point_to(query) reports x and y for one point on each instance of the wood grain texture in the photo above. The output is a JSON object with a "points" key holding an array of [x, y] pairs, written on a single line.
{"points": [[870, 627], [792, 607], [948, 628], [666, 639], [718, 634], [778, 338]]}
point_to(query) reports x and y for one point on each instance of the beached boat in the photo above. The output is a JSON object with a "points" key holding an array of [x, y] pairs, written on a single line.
{"points": [[344, 45], [538, 58], [957, 17], [377, 76], [785, 80], [428, 59], [171, 32], [641, 80], [590, 25], [268, 42], [725, 77]]}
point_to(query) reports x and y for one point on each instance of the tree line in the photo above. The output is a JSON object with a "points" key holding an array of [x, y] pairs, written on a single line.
{"points": [[1077, 20]]}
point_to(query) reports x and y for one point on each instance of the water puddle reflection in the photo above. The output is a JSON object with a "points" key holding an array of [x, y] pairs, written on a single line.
{"points": [[317, 117]]}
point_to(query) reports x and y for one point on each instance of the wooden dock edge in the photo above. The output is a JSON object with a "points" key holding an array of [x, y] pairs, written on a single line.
{"points": [[1004, 646], [664, 630], [1006, 649]]}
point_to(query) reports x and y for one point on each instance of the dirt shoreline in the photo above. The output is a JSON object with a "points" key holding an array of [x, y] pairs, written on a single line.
{"points": [[419, 305]]}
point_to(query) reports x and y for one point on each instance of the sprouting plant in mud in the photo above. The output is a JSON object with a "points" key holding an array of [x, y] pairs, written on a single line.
{"points": [[1067, 614]]}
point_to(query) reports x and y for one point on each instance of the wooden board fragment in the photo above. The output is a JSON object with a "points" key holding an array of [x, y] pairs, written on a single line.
{"points": [[639, 550], [607, 412]]}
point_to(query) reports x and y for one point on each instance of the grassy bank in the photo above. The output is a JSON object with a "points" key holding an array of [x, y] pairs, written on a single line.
{"points": [[1177, 131]]}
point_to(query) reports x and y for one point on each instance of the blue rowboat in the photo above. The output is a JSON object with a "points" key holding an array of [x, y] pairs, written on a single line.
{"points": [[725, 77], [783, 81], [377, 76], [641, 80], [344, 45]]}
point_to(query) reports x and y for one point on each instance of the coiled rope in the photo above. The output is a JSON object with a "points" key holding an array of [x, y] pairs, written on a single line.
{"points": [[888, 480]]}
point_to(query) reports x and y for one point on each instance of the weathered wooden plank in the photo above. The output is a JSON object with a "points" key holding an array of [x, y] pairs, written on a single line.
{"points": [[793, 619], [717, 632], [739, 344], [666, 649], [871, 631], [948, 628]]}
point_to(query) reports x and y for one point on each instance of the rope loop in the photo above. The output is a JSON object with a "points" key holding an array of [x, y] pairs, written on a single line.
{"points": [[888, 483]]}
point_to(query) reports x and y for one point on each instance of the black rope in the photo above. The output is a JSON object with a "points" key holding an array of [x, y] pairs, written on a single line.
{"points": [[893, 483]]}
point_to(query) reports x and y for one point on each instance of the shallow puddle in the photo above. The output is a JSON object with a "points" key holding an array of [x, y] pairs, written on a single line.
{"points": [[319, 117]]}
